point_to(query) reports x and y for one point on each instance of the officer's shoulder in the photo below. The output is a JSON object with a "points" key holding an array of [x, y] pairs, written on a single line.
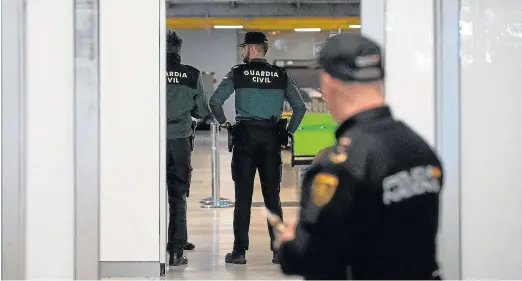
{"points": [[278, 68], [322, 156], [329, 167], [350, 153], [191, 68], [238, 66]]}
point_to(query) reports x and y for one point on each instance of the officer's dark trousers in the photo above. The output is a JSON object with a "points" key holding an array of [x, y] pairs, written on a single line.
{"points": [[178, 183], [256, 147]]}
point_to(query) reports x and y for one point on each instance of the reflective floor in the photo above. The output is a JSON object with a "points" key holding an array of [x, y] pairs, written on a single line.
{"points": [[211, 229]]}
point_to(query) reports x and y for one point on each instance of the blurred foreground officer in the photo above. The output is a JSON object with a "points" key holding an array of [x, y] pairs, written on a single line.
{"points": [[375, 195], [185, 99], [261, 90]]}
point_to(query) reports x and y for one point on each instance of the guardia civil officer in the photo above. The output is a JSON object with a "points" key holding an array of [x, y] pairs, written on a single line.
{"points": [[375, 194], [261, 89], [185, 99]]}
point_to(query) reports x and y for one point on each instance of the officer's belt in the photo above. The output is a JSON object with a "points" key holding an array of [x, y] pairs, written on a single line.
{"points": [[257, 123]]}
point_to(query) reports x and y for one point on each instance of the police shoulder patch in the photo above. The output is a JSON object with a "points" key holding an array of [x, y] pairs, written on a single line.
{"points": [[323, 188], [345, 141], [340, 155]]}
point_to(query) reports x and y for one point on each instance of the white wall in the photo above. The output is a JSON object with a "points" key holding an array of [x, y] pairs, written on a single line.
{"points": [[130, 84], [1, 263], [49, 130], [410, 74], [491, 136], [163, 211], [373, 20], [211, 51]]}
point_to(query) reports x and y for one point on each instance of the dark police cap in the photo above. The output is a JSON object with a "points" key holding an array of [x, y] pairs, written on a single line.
{"points": [[254, 38], [351, 58]]}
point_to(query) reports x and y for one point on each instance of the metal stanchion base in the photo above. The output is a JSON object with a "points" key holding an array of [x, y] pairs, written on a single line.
{"points": [[209, 200], [218, 204]]}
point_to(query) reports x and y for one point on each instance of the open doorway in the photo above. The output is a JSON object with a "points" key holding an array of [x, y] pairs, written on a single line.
{"points": [[211, 32]]}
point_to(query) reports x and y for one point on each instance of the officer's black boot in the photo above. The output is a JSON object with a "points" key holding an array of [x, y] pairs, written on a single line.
{"points": [[275, 257], [177, 258], [189, 246], [237, 257]]}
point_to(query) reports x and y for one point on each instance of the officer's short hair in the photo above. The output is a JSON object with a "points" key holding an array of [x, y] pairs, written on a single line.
{"points": [[174, 42], [261, 47]]}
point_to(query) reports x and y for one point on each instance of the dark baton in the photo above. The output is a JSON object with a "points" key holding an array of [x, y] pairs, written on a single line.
{"points": [[281, 125], [230, 135], [192, 137]]}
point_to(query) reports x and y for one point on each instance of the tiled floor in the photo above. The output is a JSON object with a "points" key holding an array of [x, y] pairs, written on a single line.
{"points": [[211, 229]]}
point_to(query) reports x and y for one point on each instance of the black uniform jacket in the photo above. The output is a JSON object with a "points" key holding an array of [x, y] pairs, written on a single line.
{"points": [[369, 206]]}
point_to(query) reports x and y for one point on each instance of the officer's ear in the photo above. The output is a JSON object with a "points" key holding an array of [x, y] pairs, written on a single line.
{"points": [[326, 85], [253, 49], [264, 48]]}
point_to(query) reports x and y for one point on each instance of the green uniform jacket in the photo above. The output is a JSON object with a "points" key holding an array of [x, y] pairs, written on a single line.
{"points": [[261, 90], [185, 99]]}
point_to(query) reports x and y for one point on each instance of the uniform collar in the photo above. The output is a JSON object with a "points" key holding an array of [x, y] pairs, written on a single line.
{"points": [[173, 58], [366, 116], [257, 60]]}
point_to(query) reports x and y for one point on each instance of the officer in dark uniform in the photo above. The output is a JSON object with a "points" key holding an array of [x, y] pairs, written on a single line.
{"points": [[375, 194], [261, 90], [185, 98], [189, 246]]}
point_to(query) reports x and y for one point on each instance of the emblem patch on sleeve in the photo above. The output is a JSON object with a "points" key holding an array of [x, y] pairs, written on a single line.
{"points": [[323, 188]]}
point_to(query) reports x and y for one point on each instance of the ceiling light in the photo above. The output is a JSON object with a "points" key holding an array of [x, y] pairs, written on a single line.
{"points": [[354, 26], [312, 29], [228, 26]]}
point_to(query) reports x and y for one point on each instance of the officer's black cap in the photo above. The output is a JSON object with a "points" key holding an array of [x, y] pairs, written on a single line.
{"points": [[174, 43], [351, 58], [254, 38]]}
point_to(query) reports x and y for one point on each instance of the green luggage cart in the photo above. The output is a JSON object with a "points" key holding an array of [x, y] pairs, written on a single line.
{"points": [[316, 132]]}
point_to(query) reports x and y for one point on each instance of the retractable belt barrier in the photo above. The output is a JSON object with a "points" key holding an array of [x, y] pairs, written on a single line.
{"points": [[301, 163], [215, 201], [316, 133]]}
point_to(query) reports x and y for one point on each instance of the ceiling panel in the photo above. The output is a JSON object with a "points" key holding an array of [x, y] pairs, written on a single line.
{"points": [[264, 9], [264, 1]]}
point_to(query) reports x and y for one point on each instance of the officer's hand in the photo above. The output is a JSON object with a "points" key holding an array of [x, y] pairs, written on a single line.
{"points": [[286, 231], [227, 125], [222, 125]]}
